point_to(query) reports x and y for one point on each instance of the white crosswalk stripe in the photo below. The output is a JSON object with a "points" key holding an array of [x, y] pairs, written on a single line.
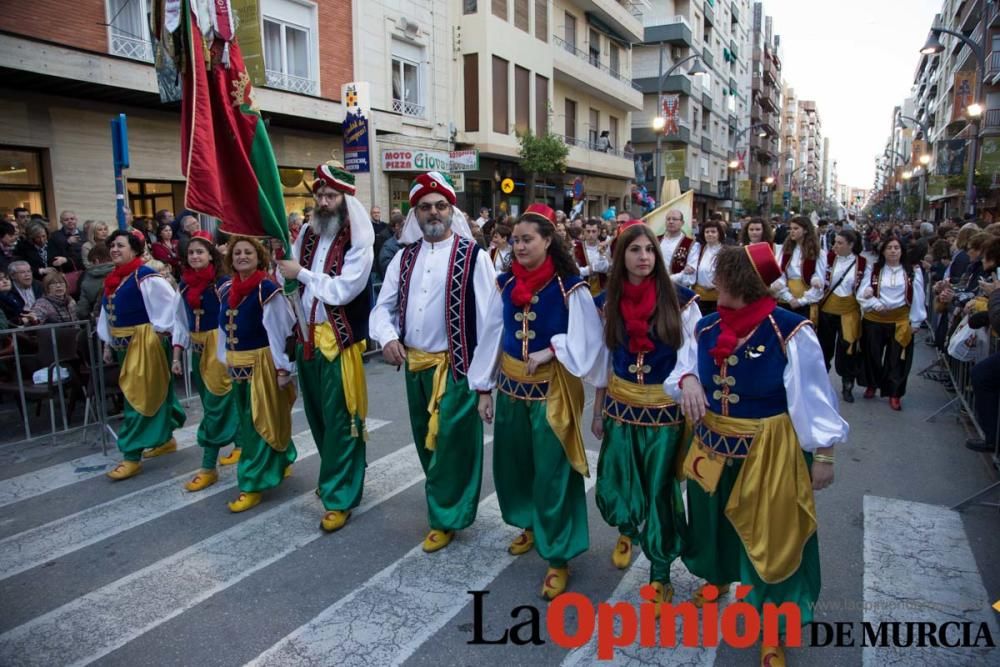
{"points": [[57, 476], [386, 619], [114, 615], [24, 551]]}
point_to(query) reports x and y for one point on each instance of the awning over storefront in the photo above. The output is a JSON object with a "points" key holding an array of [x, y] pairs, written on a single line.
{"points": [[947, 195]]}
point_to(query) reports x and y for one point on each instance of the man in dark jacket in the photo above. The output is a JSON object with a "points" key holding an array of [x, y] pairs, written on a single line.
{"points": [[986, 374], [24, 289], [391, 244], [67, 240], [92, 284]]}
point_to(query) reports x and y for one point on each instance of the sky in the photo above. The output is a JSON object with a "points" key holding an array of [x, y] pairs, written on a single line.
{"points": [[856, 59]]}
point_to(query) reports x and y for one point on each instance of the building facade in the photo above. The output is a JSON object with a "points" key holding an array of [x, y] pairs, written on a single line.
{"points": [[765, 114]]}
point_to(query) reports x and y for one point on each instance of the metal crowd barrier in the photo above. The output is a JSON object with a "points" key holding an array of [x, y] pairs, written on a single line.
{"points": [[68, 355]]}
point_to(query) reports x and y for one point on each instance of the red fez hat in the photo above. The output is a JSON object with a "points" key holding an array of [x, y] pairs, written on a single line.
{"points": [[202, 234], [429, 183], [540, 211], [764, 263]]}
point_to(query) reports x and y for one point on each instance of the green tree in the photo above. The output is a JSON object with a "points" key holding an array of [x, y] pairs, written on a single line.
{"points": [[541, 156]]}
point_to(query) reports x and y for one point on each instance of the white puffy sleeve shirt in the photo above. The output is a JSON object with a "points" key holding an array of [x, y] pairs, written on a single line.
{"points": [[161, 301], [332, 290], [812, 403], [892, 292]]}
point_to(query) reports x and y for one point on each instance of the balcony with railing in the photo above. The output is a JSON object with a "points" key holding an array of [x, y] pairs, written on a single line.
{"points": [[993, 66], [293, 84], [409, 108], [589, 155], [991, 120], [586, 68], [676, 31], [128, 46]]}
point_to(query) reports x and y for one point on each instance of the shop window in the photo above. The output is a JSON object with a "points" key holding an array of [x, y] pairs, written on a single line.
{"points": [[145, 198], [21, 182], [295, 188]]}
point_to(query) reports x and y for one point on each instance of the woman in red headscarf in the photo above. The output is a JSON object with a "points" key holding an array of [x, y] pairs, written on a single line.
{"points": [[543, 336], [649, 327], [765, 443]]}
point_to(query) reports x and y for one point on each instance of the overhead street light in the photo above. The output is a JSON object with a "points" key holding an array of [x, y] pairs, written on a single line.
{"points": [[696, 69]]}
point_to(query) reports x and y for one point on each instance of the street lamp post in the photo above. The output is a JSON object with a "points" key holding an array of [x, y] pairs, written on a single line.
{"points": [[973, 111], [659, 123]]}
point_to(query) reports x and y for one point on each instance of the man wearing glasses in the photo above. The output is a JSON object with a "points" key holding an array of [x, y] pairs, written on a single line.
{"points": [[431, 307], [674, 245]]}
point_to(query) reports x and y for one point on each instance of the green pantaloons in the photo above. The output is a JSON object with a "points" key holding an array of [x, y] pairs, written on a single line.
{"points": [[637, 490], [139, 432], [714, 552], [220, 421], [536, 486], [454, 469], [261, 467], [342, 456]]}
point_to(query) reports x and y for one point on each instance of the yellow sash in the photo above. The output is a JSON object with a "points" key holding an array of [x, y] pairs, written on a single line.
{"points": [[352, 372], [270, 407], [771, 504], [213, 372], [563, 405], [418, 360], [706, 293], [642, 395], [798, 288], [145, 374], [898, 316], [850, 317]]}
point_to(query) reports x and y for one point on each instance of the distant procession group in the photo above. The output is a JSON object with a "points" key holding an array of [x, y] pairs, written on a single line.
{"points": [[699, 375]]}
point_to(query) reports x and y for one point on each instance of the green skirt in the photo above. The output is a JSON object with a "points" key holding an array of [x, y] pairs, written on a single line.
{"points": [[261, 467]]}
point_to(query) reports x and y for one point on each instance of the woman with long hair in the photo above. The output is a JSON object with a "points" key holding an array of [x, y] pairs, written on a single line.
{"points": [[649, 332], [544, 335], [802, 269], [764, 439], [253, 327], [700, 270], [759, 230], [892, 303], [137, 313], [839, 312], [197, 328]]}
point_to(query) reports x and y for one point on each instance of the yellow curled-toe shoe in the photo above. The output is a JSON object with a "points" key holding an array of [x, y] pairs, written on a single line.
{"points": [[698, 599], [622, 555], [334, 520], [556, 580], [288, 472], [437, 540], [166, 448], [664, 594], [522, 544], [246, 501], [232, 458], [772, 656], [124, 470], [202, 480]]}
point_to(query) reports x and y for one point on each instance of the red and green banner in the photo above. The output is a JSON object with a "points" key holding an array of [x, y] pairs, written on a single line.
{"points": [[226, 155]]}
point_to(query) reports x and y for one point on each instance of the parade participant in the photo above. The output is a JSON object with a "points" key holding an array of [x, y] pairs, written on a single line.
{"points": [[649, 329], [429, 316], [839, 313], [500, 251], [675, 245], [335, 251], [196, 327], [544, 334], [139, 307], [892, 303], [802, 269], [700, 269], [591, 255], [254, 322], [771, 423], [759, 230]]}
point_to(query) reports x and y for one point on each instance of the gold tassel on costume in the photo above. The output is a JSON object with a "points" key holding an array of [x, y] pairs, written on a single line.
{"points": [[418, 360], [145, 374], [352, 373]]}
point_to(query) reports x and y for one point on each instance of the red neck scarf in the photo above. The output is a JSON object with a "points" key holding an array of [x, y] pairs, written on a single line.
{"points": [[121, 272], [197, 281], [240, 287], [636, 307], [738, 323], [527, 282]]}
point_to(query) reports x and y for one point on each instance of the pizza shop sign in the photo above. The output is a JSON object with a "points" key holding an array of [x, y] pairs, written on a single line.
{"points": [[412, 159]]}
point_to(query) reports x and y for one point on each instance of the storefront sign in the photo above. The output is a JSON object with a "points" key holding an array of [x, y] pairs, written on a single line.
{"points": [[356, 148], [419, 159]]}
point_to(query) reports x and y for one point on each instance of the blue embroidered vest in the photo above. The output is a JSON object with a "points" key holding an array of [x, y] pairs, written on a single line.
{"points": [[126, 308], [750, 383], [531, 328], [349, 322], [649, 367], [206, 317], [460, 300], [244, 325]]}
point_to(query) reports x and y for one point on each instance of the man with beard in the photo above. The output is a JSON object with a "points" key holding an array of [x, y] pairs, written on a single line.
{"points": [[429, 312], [335, 251]]}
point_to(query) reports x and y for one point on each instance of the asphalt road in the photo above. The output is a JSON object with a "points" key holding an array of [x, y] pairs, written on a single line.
{"points": [[142, 573]]}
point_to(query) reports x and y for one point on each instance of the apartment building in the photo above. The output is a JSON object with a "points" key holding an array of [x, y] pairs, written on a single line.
{"points": [[559, 66], [713, 109], [765, 112]]}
